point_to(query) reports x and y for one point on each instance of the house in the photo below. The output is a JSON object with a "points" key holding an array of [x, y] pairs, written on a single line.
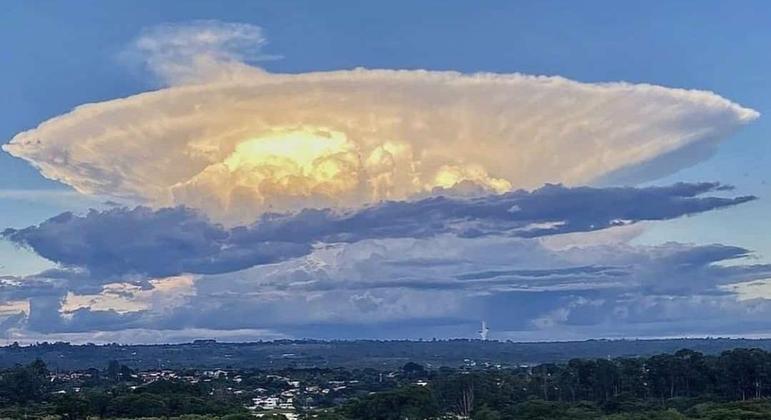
{"points": [[266, 403]]}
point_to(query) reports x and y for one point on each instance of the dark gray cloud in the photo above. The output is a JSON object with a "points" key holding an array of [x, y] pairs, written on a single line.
{"points": [[519, 213], [143, 241], [170, 241], [546, 273]]}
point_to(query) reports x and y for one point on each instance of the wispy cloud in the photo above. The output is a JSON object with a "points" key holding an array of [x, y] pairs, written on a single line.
{"points": [[199, 51]]}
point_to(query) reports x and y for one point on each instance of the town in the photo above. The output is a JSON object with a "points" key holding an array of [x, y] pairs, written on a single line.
{"points": [[288, 392], [683, 385]]}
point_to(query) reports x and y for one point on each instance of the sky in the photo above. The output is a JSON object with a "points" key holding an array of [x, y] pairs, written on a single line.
{"points": [[258, 170]]}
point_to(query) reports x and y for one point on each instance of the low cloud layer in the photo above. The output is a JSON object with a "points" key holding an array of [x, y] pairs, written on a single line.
{"points": [[439, 286], [236, 141]]}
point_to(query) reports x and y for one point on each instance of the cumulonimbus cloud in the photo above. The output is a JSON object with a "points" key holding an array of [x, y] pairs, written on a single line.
{"points": [[344, 173], [237, 141]]}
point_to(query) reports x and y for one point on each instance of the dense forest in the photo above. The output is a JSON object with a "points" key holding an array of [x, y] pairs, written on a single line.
{"points": [[735, 384]]}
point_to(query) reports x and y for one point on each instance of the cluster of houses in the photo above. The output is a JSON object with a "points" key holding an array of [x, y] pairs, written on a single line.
{"points": [[285, 401], [285, 394]]}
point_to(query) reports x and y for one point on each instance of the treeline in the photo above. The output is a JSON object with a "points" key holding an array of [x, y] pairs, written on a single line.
{"points": [[32, 392], [686, 384], [412, 403]]}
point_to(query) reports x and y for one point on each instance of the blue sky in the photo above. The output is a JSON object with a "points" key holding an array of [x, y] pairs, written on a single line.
{"points": [[56, 56]]}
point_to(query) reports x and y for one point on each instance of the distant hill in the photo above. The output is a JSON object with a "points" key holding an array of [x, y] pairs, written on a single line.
{"points": [[351, 354]]}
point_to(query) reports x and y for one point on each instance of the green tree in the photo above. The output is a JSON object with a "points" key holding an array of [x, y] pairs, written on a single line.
{"points": [[415, 402], [71, 407], [24, 383]]}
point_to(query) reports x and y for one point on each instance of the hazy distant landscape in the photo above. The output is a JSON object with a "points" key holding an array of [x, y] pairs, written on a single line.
{"points": [[354, 354]]}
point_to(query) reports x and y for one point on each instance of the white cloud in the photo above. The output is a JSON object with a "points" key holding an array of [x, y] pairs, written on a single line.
{"points": [[756, 289], [198, 51], [231, 144], [161, 295], [14, 307]]}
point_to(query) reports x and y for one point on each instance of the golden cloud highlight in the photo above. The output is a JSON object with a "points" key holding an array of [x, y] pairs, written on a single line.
{"points": [[237, 141]]}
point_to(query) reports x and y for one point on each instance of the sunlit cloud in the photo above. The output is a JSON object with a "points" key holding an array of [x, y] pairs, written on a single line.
{"points": [[239, 143], [161, 295], [13, 307], [756, 289]]}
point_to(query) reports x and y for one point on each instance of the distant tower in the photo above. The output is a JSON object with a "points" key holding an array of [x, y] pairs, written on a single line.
{"points": [[483, 332]]}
